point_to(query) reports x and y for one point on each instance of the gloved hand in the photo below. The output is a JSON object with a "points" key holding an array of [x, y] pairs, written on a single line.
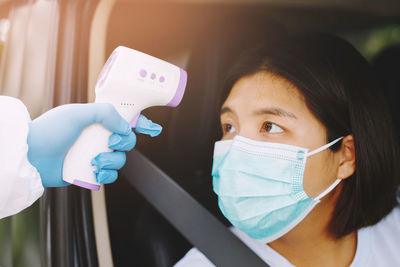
{"points": [[108, 162], [53, 133]]}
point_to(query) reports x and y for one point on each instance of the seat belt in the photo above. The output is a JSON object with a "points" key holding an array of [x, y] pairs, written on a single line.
{"points": [[190, 218]]}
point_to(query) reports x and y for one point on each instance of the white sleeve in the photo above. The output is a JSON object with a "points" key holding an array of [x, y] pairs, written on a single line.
{"points": [[20, 183], [194, 258]]}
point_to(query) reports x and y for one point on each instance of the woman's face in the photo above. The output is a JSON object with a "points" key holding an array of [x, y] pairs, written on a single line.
{"points": [[265, 107]]}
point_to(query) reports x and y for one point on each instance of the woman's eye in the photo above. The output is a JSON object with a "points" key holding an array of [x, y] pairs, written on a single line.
{"points": [[228, 128], [271, 128]]}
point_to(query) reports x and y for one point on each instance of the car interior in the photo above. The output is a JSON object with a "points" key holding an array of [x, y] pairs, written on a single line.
{"points": [[117, 226]]}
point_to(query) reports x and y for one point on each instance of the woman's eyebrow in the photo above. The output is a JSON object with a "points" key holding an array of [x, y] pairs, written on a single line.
{"points": [[276, 112], [226, 110]]}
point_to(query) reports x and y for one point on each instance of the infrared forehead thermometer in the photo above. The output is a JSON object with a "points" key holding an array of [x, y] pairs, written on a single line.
{"points": [[132, 81]]}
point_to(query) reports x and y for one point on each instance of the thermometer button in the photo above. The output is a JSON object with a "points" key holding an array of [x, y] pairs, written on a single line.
{"points": [[143, 73]]}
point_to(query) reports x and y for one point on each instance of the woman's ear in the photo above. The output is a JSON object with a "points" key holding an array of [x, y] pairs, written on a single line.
{"points": [[347, 165]]}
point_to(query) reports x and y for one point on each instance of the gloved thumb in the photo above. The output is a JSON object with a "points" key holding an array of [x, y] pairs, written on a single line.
{"points": [[109, 117]]}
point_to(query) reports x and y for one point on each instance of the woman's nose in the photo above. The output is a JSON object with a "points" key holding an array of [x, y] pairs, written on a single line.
{"points": [[249, 132]]}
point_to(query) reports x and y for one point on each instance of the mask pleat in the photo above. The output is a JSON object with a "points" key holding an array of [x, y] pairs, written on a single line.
{"points": [[238, 209], [269, 223], [235, 183], [271, 168]]}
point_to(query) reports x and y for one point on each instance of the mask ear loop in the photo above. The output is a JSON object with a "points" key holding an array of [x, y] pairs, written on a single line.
{"points": [[324, 147], [337, 181], [329, 189]]}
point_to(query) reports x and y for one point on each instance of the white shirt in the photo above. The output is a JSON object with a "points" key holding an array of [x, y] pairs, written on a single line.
{"points": [[20, 182], [377, 245]]}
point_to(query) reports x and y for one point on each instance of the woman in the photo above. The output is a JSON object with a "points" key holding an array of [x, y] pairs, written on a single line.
{"points": [[306, 170]]}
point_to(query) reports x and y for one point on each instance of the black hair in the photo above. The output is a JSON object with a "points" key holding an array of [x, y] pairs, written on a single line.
{"points": [[386, 66], [341, 90]]}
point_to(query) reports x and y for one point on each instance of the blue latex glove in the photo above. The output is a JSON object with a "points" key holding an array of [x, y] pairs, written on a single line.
{"points": [[53, 133], [108, 162]]}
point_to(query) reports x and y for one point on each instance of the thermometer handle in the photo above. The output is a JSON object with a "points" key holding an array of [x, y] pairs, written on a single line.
{"points": [[77, 168]]}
